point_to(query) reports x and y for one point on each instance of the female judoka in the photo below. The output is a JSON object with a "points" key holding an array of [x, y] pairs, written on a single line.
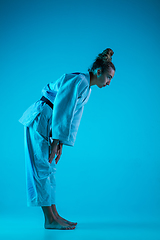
{"points": [[53, 121]]}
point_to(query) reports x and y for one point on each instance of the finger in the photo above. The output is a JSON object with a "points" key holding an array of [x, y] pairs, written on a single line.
{"points": [[58, 153], [57, 159], [50, 160], [51, 157]]}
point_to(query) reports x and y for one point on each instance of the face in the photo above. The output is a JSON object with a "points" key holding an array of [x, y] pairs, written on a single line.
{"points": [[104, 79]]}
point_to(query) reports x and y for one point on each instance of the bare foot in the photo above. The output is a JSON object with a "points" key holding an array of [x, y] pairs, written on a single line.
{"points": [[52, 222], [60, 218], [57, 224]]}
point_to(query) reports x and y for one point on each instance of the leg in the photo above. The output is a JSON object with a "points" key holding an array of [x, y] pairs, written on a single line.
{"points": [[39, 172], [54, 210], [40, 177], [51, 221], [53, 206]]}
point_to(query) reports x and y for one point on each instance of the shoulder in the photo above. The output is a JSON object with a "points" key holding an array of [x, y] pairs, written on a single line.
{"points": [[72, 81], [84, 83], [81, 79]]}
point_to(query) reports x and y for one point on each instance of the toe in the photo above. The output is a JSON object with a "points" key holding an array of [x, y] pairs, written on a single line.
{"points": [[74, 224]]}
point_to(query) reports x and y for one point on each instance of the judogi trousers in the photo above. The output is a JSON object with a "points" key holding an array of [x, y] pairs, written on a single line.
{"points": [[40, 174]]}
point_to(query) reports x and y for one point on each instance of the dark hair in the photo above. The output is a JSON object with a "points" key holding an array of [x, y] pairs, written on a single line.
{"points": [[103, 61]]}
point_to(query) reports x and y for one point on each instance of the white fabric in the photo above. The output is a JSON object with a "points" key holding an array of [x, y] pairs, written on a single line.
{"points": [[68, 94], [40, 174]]}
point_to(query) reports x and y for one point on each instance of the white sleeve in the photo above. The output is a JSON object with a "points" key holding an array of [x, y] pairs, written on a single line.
{"points": [[65, 106]]}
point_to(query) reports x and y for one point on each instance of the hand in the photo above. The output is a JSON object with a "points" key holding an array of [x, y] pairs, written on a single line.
{"points": [[59, 152], [56, 148], [53, 150]]}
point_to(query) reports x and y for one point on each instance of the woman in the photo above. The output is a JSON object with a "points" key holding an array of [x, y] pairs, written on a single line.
{"points": [[53, 121]]}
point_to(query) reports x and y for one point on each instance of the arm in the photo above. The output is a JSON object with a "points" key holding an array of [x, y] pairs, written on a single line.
{"points": [[64, 108]]}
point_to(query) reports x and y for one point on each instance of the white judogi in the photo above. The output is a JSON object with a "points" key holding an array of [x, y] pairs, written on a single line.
{"points": [[68, 94]]}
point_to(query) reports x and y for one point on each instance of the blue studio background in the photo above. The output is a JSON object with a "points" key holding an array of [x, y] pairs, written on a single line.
{"points": [[112, 172]]}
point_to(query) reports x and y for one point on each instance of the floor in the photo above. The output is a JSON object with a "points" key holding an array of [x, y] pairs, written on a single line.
{"points": [[15, 228]]}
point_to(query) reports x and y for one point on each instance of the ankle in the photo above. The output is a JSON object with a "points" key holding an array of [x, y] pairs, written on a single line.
{"points": [[54, 210], [49, 220]]}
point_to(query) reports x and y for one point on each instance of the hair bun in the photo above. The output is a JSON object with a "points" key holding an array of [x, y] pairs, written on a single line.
{"points": [[106, 55], [103, 61]]}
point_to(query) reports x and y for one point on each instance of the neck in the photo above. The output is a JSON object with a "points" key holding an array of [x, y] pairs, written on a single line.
{"points": [[92, 79]]}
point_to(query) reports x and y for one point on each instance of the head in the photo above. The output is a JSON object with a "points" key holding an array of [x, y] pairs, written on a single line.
{"points": [[102, 70]]}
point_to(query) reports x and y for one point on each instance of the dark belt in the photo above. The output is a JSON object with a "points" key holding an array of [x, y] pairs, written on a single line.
{"points": [[44, 99]]}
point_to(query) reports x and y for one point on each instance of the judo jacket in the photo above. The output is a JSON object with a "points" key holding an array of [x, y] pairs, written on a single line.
{"points": [[68, 94]]}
